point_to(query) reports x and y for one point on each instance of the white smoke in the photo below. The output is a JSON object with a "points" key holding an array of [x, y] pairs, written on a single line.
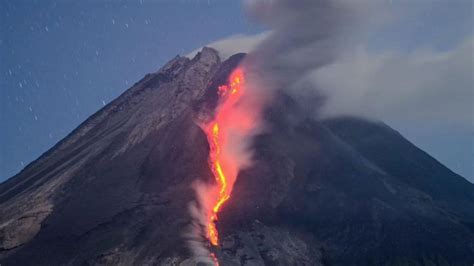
{"points": [[196, 232], [306, 35], [423, 88], [238, 43]]}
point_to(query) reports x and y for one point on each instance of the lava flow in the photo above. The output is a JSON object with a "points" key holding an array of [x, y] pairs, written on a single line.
{"points": [[221, 131]]}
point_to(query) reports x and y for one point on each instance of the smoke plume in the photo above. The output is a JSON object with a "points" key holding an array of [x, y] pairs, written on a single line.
{"points": [[305, 36]]}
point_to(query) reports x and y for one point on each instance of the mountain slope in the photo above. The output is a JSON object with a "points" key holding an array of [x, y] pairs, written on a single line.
{"points": [[330, 182], [109, 178], [343, 191]]}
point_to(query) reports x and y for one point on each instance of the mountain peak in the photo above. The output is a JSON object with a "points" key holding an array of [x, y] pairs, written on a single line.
{"points": [[207, 55], [118, 189]]}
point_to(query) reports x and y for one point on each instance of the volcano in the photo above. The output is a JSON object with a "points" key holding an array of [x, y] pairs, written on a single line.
{"points": [[341, 191]]}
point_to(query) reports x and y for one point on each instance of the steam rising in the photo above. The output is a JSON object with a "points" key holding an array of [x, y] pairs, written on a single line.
{"points": [[196, 240], [305, 35]]}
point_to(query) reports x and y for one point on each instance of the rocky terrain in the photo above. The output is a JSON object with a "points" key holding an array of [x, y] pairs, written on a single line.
{"points": [[343, 191]]}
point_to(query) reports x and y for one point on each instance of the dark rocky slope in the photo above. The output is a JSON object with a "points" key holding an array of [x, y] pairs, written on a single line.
{"points": [[343, 191]]}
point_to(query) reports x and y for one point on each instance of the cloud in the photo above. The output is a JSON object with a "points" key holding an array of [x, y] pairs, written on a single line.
{"points": [[238, 43], [424, 87]]}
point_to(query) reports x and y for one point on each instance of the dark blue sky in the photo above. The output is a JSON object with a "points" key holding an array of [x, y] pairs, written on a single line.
{"points": [[60, 61]]}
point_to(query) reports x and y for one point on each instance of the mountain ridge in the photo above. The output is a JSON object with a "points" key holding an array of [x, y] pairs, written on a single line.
{"points": [[117, 189]]}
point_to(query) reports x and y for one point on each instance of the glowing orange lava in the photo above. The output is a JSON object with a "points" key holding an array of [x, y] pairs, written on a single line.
{"points": [[219, 132]]}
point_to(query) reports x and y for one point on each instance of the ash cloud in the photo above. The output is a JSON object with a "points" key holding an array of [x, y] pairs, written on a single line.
{"points": [[305, 36]]}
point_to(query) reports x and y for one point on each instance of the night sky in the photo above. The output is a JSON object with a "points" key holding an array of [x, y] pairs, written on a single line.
{"points": [[61, 61]]}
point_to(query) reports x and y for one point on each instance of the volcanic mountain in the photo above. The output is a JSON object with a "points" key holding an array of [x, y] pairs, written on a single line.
{"points": [[341, 191]]}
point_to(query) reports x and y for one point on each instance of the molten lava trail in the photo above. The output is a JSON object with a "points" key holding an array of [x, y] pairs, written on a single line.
{"points": [[219, 131]]}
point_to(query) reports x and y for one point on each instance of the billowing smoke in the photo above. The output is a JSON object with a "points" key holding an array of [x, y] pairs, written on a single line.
{"points": [[195, 234], [305, 36]]}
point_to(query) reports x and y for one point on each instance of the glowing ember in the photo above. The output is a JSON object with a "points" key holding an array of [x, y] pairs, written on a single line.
{"points": [[219, 131]]}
